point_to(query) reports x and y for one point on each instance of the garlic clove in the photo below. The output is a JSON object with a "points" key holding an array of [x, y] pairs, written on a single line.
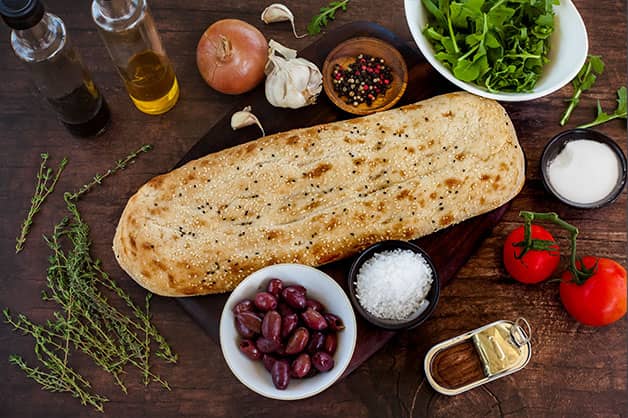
{"points": [[278, 12], [291, 82], [245, 118], [278, 56], [286, 52]]}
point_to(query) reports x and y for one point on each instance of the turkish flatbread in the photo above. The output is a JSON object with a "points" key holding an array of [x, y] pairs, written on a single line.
{"points": [[319, 194]]}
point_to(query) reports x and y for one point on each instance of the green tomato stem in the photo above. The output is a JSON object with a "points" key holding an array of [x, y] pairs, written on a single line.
{"points": [[579, 275]]}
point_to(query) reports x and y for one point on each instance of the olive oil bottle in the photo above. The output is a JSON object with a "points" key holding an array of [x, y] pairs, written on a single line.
{"points": [[128, 31]]}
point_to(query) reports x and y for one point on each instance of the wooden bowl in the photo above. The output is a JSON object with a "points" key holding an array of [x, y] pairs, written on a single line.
{"points": [[346, 53]]}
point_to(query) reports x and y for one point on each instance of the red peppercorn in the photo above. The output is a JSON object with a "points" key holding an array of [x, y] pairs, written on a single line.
{"points": [[369, 78]]}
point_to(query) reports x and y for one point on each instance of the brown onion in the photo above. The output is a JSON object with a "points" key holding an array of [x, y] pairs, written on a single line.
{"points": [[231, 56]]}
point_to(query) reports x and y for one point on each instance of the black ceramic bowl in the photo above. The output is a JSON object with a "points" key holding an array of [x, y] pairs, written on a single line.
{"points": [[414, 320], [556, 145]]}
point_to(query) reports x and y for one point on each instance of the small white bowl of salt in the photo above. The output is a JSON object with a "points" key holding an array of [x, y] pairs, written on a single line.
{"points": [[394, 285], [583, 168]]}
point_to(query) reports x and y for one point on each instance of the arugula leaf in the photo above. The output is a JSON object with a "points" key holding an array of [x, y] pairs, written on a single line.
{"points": [[433, 7], [325, 15], [620, 111], [499, 44], [586, 77]]}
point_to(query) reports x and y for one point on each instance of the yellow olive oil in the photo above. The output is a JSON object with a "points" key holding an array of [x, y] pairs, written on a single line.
{"points": [[151, 82]]}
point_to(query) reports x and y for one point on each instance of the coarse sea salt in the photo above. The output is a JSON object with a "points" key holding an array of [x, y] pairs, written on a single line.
{"points": [[394, 284]]}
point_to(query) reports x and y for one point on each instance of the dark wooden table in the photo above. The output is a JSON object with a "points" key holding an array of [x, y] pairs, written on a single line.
{"points": [[574, 371]]}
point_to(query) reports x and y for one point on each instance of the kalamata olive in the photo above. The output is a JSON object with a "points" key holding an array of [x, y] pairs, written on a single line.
{"points": [[271, 325], [245, 305], [280, 374], [300, 288], [250, 320], [317, 342], [268, 361], [331, 343], [264, 301], [322, 361], [281, 350], [314, 320], [301, 366], [284, 309], [288, 324], [314, 304], [313, 371], [243, 330], [249, 349], [297, 341], [294, 297], [267, 346], [334, 322], [275, 286]]}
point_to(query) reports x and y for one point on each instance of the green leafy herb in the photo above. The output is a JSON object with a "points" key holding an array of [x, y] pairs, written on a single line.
{"points": [[93, 316], [501, 45], [603, 117], [592, 68], [45, 185], [325, 15]]}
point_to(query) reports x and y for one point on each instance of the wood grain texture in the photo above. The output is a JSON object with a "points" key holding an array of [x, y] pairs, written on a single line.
{"points": [[574, 370]]}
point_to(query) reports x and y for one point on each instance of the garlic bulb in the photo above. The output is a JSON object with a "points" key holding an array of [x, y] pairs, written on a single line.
{"points": [[290, 81], [278, 12], [244, 118]]}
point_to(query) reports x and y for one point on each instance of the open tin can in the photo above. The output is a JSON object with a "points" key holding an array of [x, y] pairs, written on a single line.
{"points": [[479, 356]]}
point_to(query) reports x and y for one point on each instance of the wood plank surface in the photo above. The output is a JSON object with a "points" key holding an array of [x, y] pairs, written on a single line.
{"points": [[574, 370]]}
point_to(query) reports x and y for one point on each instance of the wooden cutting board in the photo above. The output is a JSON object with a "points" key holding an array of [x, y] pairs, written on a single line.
{"points": [[449, 248]]}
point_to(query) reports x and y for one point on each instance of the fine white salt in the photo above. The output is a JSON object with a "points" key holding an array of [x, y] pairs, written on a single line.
{"points": [[585, 171], [394, 284]]}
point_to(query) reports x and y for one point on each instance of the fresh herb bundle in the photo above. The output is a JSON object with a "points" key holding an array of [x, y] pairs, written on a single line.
{"points": [[501, 45], [584, 80], [46, 183], [619, 113], [325, 14], [88, 321]]}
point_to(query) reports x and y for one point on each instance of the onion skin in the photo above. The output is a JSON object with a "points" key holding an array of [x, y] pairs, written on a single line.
{"points": [[231, 56]]}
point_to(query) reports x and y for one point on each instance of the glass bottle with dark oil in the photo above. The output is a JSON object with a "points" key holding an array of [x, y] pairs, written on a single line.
{"points": [[129, 33], [40, 40]]}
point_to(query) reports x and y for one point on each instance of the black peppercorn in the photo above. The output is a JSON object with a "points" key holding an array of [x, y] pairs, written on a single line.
{"points": [[363, 81]]}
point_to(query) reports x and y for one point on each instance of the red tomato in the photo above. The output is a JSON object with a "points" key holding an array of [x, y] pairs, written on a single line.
{"points": [[535, 265], [601, 299]]}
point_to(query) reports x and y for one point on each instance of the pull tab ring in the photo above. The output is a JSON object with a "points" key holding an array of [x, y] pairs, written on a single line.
{"points": [[519, 335]]}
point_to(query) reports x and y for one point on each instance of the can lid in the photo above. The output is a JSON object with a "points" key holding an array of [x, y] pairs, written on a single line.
{"points": [[478, 356], [21, 14]]}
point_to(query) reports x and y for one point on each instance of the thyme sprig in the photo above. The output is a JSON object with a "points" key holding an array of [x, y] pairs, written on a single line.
{"points": [[57, 375], [46, 183], [93, 317], [120, 165]]}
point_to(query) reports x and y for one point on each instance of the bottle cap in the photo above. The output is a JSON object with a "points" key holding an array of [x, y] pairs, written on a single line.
{"points": [[21, 14]]}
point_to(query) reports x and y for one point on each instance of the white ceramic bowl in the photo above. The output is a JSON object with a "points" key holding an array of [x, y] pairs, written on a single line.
{"points": [[319, 286], [568, 52]]}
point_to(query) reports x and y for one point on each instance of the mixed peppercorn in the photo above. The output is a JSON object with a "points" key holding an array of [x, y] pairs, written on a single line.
{"points": [[363, 81]]}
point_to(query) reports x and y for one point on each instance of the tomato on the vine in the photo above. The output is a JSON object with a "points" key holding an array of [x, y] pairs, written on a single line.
{"points": [[535, 265], [601, 299]]}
